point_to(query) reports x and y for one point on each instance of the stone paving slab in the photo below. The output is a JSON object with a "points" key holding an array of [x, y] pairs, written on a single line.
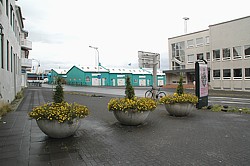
{"points": [[203, 138]]}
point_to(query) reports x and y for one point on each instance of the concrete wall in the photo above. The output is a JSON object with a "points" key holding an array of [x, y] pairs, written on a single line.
{"points": [[10, 78]]}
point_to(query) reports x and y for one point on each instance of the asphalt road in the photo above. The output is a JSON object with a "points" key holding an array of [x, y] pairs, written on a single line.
{"points": [[230, 98]]}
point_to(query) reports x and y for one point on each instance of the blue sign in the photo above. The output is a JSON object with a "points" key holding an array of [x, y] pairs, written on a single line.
{"points": [[99, 76]]}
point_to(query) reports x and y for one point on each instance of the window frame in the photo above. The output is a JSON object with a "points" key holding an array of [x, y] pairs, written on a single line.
{"points": [[190, 55], [239, 55], [226, 77], [199, 44], [2, 48], [235, 77], [197, 55], [247, 77], [207, 40], [216, 78], [215, 58], [190, 45], [246, 56], [225, 51], [208, 59]]}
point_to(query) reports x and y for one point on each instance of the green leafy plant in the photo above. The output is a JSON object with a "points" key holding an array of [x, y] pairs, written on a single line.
{"points": [[135, 104], [59, 109], [130, 93], [4, 108], [179, 96], [130, 102], [58, 96]]}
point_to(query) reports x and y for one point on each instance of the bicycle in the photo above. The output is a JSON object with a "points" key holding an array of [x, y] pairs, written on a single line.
{"points": [[159, 93]]}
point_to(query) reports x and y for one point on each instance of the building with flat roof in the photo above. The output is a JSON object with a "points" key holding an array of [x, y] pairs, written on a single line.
{"points": [[14, 51], [226, 48]]}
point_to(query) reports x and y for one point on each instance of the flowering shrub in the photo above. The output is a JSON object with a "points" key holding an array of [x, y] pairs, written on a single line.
{"points": [[183, 98], [136, 104], [59, 111]]}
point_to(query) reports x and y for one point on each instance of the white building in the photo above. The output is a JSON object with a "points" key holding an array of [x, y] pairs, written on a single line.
{"points": [[226, 48], [14, 51]]}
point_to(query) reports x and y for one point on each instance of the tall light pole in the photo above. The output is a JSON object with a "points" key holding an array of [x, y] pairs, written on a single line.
{"points": [[96, 48], [185, 24]]}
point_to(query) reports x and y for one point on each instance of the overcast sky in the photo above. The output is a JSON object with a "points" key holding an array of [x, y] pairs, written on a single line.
{"points": [[61, 31]]}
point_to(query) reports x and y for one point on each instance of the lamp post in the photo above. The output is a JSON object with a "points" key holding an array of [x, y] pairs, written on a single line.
{"points": [[98, 63], [38, 65], [185, 24], [96, 48]]}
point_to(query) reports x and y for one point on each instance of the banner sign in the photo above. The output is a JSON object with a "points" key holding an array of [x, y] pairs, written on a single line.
{"points": [[203, 80]]}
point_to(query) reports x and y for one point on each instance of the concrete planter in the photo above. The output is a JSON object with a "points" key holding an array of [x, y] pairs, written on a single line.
{"points": [[180, 109], [58, 130], [131, 118]]}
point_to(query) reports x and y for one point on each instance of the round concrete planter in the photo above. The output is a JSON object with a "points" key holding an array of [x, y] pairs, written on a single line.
{"points": [[58, 130], [131, 118], [179, 109]]}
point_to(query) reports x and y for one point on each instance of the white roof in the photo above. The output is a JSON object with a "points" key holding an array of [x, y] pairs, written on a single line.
{"points": [[159, 72], [61, 71], [119, 70], [92, 69]]}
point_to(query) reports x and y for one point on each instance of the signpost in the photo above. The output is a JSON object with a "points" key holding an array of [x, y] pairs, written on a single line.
{"points": [[201, 83], [150, 60]]}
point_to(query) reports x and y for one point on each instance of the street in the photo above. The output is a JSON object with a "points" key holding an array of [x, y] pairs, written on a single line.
{"points": [[236, 99]]}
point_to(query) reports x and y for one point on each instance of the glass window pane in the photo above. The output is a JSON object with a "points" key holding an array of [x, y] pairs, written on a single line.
{"points": [[247, 72], [247, 50], [226, 53], [199, 41], [216, 54], [238, 73], [226, 73], [190, 43], [208, 56], [237, 52], [216, 74], [191, 58], [200, 56]]}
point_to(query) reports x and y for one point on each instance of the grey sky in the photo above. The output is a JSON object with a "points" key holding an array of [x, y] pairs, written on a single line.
{"points": [[61, 31]]}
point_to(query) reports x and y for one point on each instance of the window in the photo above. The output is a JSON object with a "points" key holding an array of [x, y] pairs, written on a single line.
{"points": [[216, 54], [199, 41], [87, 79], [11, 58], [226, 73], [1, 47], [226, 53], [190, 43], [200, 56], [238, 73], [178, 51], [247, 73], [11, 14], [207, 40], [7, 7], [8, 55], [190, 58], [247, 51], [208, 56], [237, 52], [216, 74]]}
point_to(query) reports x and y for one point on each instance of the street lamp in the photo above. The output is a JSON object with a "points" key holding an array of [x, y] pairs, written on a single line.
{"points": [[96, 48], [37, 70], [185, 24]]}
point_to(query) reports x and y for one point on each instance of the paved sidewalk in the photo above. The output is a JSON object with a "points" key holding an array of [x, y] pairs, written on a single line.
{"points": [[203, 138]]}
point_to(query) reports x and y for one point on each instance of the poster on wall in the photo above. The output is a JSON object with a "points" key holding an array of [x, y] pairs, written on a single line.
{"points": [[203, 80]]}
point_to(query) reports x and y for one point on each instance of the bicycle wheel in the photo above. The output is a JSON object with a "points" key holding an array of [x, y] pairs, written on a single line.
{"points": [[149, 94], [160, 95]]}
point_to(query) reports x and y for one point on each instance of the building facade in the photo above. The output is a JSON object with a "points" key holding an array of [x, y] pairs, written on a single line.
{"points": [[226, 48], [14, 51], [92, 76]]}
